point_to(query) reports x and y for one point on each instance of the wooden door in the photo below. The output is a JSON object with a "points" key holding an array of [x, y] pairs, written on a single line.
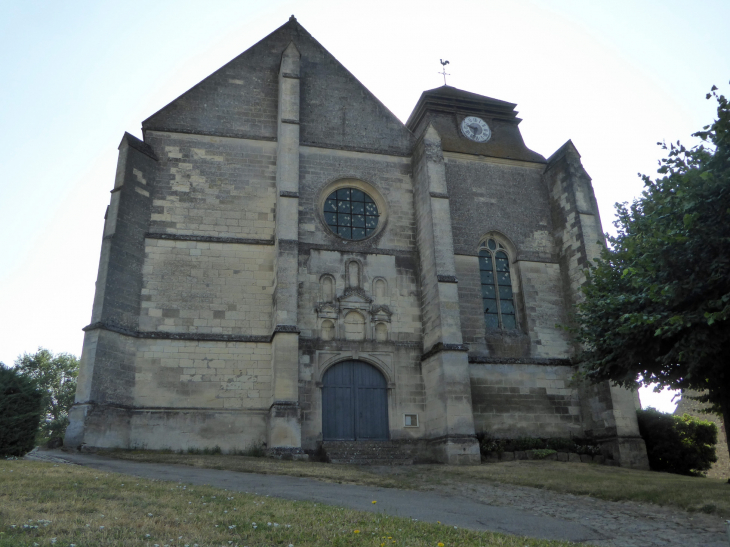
{"points": [[354, 403]]}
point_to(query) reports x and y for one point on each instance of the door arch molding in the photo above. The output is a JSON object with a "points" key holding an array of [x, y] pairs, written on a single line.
{"points": [[364, 359]]}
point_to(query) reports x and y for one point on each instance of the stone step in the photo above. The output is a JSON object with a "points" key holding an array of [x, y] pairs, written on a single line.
{"points": [[367, 452]]}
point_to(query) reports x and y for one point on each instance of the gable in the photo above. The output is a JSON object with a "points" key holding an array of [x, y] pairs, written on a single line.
{"points": [[240, 100]]}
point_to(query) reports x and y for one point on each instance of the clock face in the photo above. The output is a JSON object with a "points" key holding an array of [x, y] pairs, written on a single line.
{"points": [[475, 129]]}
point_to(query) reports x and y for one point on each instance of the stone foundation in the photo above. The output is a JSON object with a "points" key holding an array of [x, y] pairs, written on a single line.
{"points": [[102, 426]]}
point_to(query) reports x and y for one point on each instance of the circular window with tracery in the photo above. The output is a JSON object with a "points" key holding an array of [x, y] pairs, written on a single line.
{"points": [[351, 213]]}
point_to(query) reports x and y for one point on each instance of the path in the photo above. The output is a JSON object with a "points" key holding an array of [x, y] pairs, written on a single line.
{"points": [[499, 508]]}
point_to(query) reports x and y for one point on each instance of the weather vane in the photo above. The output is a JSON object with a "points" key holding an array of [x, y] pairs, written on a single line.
{"points": [[444, 73]]}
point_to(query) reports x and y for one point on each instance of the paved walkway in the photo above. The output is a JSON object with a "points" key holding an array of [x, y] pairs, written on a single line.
{"points": [[499, 508]]}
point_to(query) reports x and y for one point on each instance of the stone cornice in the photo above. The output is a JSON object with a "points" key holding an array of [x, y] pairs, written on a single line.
{"points": [[209, 239], [192, 336], [440, 346], [488, 360]]}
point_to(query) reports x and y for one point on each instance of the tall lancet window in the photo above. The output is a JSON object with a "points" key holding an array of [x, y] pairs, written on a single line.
{"points": [[497, 298]]}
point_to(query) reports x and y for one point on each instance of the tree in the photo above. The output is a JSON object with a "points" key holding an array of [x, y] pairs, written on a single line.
{"points": [[55, 375], [21, 403], [657, 302]]}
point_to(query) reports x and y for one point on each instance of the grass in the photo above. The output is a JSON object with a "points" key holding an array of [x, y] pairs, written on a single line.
{"points": [[64, 505], [705, 495], [693, 494], [344, 474]]}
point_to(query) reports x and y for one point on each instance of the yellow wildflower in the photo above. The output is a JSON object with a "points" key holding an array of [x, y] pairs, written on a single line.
{"points": [[357, 531], [375, 501], [440, 544]]}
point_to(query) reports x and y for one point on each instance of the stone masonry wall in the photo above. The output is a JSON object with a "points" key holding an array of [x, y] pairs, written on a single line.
{"points": [[525, 400], [470, 301], [214, 186], [112, 375], [545, 310], [202, 374], [201, 287], [509, 198], [118, 282]]}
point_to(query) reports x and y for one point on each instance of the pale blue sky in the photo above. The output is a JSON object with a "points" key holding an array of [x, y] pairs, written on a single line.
{"points": [[613, 76]]}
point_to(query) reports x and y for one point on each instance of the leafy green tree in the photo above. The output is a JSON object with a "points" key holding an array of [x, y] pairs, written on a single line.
{"points": [[21, 404], [657, 302], [56, 376]]}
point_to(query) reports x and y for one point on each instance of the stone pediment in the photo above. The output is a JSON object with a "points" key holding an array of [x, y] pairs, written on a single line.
{"points": [[329, 310], [354, 296], [380, 313]]}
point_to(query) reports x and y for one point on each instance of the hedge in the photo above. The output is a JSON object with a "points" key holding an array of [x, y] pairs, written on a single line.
{"points": [[678, 444], [489, 445], [21, 404]]}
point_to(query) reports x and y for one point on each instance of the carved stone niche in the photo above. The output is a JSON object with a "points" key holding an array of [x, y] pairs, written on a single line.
{"points": [[327, 323], [379, 318], [354, 306]]}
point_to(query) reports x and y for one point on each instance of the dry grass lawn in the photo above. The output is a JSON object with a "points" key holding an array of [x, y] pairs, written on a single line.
{"points": [[707, 495], [65, 505]]}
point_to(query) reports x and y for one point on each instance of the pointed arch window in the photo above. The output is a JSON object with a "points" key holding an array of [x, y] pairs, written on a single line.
{"points": [[498, 300]]}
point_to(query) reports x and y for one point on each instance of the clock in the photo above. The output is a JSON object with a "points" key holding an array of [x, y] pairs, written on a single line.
{"points": [[475, 129]]}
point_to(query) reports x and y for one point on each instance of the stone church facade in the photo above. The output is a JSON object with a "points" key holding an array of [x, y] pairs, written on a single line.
{"points": [[285, 262]]}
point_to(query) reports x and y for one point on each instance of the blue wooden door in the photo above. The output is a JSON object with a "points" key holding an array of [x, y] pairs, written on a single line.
{"points": [[354, 403]]}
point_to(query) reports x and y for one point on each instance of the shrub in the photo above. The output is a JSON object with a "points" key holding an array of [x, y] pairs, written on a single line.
{"points": [[255, 450], [490, 445], [542, 453], [678, 444], [21, 404]]}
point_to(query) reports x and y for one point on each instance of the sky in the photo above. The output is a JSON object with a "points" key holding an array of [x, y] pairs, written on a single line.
{"points": [[615, 77]]}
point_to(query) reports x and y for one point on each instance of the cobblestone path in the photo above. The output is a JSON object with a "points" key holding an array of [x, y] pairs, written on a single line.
{"points": [[622, 524]]}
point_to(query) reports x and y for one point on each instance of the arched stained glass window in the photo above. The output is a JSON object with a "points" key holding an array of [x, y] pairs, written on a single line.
{"points": [[497, 298], [351, 213]]}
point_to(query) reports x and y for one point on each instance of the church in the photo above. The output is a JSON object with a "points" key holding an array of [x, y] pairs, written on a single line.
{"points": [[285, 263]]}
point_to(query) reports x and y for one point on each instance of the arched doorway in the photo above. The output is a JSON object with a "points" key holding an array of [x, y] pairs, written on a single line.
{"points": [[354, 403]]}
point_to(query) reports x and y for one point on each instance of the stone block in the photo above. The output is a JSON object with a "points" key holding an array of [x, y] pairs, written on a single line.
{"points": [[585, 458], [520, 455], [574, 458], [507, 456]]}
